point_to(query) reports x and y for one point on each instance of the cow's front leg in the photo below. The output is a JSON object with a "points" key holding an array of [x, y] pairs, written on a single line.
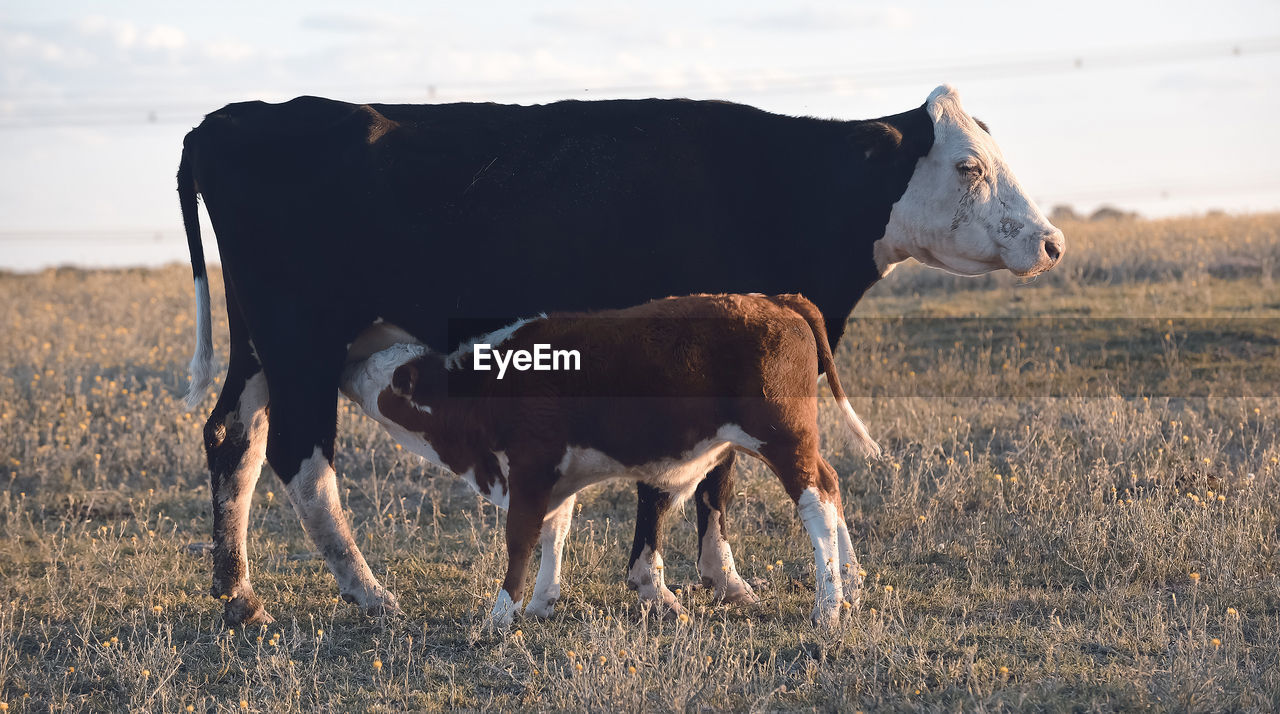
{"points": [[645, 571], [525, 517], [715, 558], [546, 589], [314, 493], [300, 450]]}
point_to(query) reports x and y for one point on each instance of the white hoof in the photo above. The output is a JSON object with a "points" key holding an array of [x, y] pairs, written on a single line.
{"points": [[540, 608], [504, 610], [825, 615], [851, 583]]}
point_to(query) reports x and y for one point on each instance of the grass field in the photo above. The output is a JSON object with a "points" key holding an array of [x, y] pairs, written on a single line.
{"points": [[1041, 535]]}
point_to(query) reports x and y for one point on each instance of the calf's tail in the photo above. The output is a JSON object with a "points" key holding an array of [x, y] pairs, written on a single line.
{"points": [[857, 432], [202, 361]]}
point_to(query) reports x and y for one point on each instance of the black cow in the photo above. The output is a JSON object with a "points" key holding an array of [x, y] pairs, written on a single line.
{"points": [[332, 216]]}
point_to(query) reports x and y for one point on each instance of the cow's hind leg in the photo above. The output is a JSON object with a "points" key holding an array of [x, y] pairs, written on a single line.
{"points": [[645, 569], [546, 589], [300, 450], [715, 559], [235, 437]]}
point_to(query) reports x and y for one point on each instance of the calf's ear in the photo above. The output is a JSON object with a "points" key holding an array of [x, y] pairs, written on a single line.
{"points": [[874, 138], [404, 379]]}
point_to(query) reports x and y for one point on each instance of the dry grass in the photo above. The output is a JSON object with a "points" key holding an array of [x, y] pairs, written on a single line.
{"points": [[1092, 552]]}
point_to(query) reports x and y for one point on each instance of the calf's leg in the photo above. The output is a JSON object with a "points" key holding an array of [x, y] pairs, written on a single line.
{"points": [[715, 559], [525, 518], [850, 570], [546, 589], [818, 504], [645, 569]]}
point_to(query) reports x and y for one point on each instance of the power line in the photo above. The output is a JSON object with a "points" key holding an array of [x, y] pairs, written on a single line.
{"points": [[737, 84], [92, 235]]}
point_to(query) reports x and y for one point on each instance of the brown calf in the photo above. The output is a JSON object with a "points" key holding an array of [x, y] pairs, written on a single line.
{"points": [[665, 392]]}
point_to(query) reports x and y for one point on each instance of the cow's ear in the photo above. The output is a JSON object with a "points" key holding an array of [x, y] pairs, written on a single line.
{"points": [[404, 379], [981, 124], [875, 139]]}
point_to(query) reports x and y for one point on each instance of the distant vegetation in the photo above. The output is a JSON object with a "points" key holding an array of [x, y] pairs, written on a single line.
{"points": [[1186, 251], [1066, 214], [1100, 550]]}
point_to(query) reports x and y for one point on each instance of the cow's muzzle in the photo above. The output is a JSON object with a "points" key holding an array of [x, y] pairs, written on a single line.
{"points": [[1051, 244]]}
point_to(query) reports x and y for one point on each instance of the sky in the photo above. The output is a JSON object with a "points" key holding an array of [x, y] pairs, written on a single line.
{"points": [[1165, 108]]}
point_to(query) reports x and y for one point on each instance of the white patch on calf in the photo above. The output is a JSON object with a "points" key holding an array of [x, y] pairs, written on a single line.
{"points": [[495, 494], [821, 522], [678, 476], [647, 580], [379, 337], [851, 573], [458, 358], [715, 563], [504, 609], [364, 381]]}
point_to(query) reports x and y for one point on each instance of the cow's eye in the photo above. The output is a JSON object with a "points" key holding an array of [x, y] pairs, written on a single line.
{"points": [[969, 168]]}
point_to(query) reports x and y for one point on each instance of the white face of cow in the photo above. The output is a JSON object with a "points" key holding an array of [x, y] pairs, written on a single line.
{"points": [[963, 210]]}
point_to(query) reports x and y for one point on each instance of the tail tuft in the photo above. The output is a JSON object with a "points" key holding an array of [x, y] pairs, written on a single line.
{"points": [[202, 361], [857, 433]]}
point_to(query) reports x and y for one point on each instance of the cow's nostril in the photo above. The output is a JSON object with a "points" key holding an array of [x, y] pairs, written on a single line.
{"points": [[1053, 248]]}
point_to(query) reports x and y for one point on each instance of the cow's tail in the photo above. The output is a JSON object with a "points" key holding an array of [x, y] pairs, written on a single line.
{"points": [[202, 361], [857, 431]]}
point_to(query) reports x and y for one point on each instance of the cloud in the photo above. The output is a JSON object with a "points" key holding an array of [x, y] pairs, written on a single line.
{"points": [[228, 51], [813, 19], [165, 37], [585, 19], [613, 26], [350, 24]]}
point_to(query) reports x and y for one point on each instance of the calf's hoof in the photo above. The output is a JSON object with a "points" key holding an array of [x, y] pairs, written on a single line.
{"points": [[825, 616], [544, 608], [504, 610], [245, 611]]}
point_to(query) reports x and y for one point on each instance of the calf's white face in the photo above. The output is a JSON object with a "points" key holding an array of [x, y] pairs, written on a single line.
{"points": [[963, 210]]}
